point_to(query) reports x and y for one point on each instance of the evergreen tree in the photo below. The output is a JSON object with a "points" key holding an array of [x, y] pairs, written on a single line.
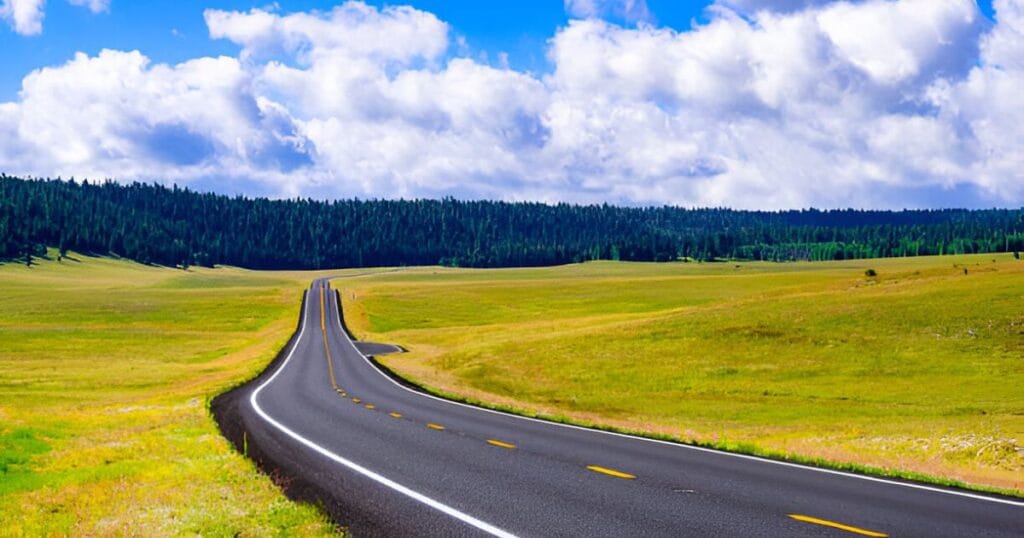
{"points": [[179, 227]]}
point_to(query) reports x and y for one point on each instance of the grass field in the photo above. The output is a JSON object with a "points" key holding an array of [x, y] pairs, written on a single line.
{"points": [[105, 370], [918, 371], [106, 367]]}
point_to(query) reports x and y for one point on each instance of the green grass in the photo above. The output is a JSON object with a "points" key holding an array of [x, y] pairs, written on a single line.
{"points": [[917, 372], [106, 368]]}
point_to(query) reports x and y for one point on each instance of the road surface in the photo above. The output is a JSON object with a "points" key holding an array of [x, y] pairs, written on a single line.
{"points": [[387, 460]]}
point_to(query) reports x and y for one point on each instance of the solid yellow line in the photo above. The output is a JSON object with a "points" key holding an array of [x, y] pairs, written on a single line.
{"points": [[371, 406], [433, 426], [840, 526], [610, 472], [502, 444], [323, 322], [396, 415]]}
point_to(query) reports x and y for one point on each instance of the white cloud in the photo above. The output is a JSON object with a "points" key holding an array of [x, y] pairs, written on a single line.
{"points": [[894, 41], [875, 104], [26, 16], [630, 10], [425, 132], [115, 115], [95, 6], [393, 34], [986, 108], [777, 6], [779, 110], [1003, 47]]}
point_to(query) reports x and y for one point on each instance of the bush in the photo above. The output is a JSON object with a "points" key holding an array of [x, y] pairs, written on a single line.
{"points": [[870, 273]]}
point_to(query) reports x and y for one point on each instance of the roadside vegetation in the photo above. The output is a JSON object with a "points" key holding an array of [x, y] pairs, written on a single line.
{"points": [[106, 368], [910, 367]]}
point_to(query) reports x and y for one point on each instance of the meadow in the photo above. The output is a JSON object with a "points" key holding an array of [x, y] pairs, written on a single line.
{"points": [[915, 372], [106, 368]]}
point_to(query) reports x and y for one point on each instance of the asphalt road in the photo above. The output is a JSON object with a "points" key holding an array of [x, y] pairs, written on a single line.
{"points": [[387, 460]]}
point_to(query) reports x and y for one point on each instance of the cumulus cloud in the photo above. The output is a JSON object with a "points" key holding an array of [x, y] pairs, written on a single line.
{"points": [[779, 111], [894, 41], [393, 34], [986, 109], [871, 104], [115, 115], [26, 16]]}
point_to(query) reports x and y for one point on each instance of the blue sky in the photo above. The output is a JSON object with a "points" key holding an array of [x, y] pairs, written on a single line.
{"points": [[745, 103]]}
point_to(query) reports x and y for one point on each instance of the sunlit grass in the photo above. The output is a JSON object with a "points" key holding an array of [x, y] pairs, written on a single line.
{"points": [[918, 370], [106, 368]]}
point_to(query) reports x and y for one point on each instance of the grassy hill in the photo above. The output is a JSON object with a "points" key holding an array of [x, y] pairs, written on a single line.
{"points": [[105, 370], [917, 371]]}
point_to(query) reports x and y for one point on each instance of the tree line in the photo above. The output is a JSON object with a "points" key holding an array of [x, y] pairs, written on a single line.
{"points": [[174, 226]]}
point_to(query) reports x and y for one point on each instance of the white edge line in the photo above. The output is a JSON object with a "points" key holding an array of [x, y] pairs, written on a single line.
{"points": [[437, 505], [683, 445]]}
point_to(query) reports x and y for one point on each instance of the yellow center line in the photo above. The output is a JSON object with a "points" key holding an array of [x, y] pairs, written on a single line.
{"points": [[323, 321], [371, 406], [433, 426], [395, 415], [840, 526], [327, 348], [356, 400], [501, 444], [610, 472]]}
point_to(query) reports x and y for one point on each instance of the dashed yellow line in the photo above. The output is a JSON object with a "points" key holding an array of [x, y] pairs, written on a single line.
{"points": [[501, 444], [611, 472], [433, 426], [395, 415], [356, 400], [840, 526], [371, 406]]}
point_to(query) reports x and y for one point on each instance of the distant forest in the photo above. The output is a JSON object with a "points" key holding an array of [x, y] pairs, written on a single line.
{"points": [[179, 227]]}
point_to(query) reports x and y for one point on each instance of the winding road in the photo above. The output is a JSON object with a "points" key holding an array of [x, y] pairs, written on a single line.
{"points": [[393, 461]]}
